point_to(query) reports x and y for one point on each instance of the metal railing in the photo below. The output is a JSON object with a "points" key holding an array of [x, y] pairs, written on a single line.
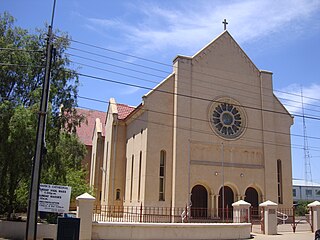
{"points": [[148, 214]]}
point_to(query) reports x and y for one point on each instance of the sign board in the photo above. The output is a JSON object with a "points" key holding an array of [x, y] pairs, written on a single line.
{"points": [[272, 211], [54, 198]]}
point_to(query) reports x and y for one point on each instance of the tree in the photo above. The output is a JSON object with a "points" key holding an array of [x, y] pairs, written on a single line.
{"points": [[22, 58]]}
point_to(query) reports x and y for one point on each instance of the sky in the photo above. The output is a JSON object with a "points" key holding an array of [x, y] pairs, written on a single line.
{"points": [[135, 42]]}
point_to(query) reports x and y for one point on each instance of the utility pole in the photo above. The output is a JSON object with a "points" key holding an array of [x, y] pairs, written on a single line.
{"points": [[31, 230]]}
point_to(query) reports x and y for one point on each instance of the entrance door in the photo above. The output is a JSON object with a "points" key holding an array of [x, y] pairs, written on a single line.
{"points": [[226, 208], [199, 199], [252, 197]]}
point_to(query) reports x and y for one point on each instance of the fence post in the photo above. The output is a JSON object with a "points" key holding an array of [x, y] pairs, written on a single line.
{"points": [[84, 212], [315, 215], [294, 226], [141, 212], [241, 212], [270, 217]]}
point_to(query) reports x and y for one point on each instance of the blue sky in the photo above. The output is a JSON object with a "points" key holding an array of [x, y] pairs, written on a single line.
{"points": [[282, 36]]}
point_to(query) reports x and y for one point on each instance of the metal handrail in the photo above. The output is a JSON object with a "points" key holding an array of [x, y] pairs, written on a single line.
{"points": [[283, 218]]}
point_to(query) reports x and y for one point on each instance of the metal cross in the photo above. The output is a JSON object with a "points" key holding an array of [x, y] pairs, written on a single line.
{"points": [[225, 24]]}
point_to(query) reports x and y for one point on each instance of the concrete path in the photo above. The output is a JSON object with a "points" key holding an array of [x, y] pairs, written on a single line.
{"points": [[285, 236], [303, 232]]}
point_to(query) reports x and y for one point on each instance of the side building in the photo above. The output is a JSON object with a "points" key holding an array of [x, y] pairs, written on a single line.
{"points": [[305, 191], [91, 134]]}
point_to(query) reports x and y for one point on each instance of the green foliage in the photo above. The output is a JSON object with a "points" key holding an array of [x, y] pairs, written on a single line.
{"points": [[22, 59], [302, 207]]}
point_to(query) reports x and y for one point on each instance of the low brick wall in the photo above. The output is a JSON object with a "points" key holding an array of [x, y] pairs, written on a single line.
{"points": [[163, 231], [17, 230]]}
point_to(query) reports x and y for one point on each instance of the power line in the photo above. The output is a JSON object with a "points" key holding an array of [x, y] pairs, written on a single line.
{"points": [[22, 50], [314, 117], [119, 60], [187, 96], [145, 59], [164, 64], [202, 120], [250, 140], [113, 65], [20, 65], [146, 80]]}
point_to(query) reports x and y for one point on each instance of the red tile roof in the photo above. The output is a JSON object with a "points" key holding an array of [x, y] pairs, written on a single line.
{"points": [[85, 131], [124, 110]]}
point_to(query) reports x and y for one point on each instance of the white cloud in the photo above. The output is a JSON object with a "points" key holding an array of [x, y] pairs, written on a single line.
{"points": [[128, 90], [194, 23], [291, 98]]}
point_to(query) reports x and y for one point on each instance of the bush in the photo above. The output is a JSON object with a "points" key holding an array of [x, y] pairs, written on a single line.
{"points": [[302, 207]]}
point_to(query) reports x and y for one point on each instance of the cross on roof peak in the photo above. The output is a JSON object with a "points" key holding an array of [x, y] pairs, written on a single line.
{"points": [[225, 24]]}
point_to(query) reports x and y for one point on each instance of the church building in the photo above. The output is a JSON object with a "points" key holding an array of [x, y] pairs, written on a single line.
{"points": [[208, 135]]}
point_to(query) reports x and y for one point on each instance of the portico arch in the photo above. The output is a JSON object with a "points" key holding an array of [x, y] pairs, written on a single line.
{"points": [[252, 197], [225, 208], [199, 199]]}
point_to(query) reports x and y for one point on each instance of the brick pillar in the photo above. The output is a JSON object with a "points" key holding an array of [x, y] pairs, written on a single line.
{"points": [[84, 212]]}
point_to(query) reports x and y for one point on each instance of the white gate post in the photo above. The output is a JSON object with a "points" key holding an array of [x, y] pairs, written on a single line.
{"points": [[269, 217], [84, 212], [315, 215], [241, 212]]}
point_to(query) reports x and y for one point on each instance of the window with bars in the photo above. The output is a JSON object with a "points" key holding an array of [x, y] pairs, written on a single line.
{"points": [[279, 177], [139, 186], [162, 175], [131, 182]]}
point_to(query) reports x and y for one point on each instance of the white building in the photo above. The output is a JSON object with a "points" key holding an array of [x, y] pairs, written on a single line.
{"points": [[302, 190]]}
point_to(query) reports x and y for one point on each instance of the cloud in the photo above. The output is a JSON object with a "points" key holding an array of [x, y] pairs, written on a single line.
{"points": [[192, 24], [128, 90], [291, 98]]}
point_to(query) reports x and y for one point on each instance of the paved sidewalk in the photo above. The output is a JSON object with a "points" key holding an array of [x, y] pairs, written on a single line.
{"points": [[285, 236], [303, 232]]}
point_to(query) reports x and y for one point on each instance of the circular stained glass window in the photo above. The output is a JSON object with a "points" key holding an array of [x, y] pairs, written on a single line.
{"points": [[227, 118]]}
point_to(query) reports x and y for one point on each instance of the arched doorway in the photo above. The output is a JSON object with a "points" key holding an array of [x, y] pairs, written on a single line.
{"points": [[225, 210], [252, 197], [199, 199]]}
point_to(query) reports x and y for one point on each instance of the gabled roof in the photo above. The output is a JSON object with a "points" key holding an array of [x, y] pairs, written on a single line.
{"points": [[85, 131], [124, 110], [203, 52]]}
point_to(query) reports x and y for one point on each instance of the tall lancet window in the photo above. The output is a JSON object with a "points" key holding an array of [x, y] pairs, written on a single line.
{"points": [[131, 181], [139, 186], [162, 175], [279, 176]]}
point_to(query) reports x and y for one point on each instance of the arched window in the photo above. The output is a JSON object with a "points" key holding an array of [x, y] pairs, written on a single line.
{"points": [[279, 177], [162, 175], [118, 194]]}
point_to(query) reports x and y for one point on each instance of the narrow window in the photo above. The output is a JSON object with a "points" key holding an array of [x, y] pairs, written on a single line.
{"points": [[279, 173], [118, 194], [139, 186], [294, 192], [132, 163], [162, 175], [308, 192], [104, 170]]}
